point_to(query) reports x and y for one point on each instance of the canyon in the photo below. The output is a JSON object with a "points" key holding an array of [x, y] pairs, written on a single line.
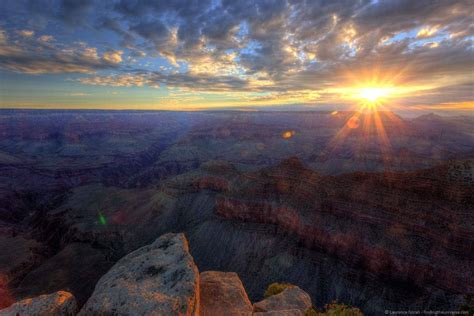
{"points": [[336, 216]]}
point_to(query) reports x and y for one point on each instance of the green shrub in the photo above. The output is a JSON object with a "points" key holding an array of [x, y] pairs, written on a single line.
{"points": [[276, 288], [340, 309], [334, 309]]}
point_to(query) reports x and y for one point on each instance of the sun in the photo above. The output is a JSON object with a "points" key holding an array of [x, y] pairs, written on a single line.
{"points": [[373, 94]]}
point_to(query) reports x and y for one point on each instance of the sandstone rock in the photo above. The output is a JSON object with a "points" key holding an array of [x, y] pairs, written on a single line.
{"points": [[292, 298], [56, 304], [158, 279], [222, 293]]}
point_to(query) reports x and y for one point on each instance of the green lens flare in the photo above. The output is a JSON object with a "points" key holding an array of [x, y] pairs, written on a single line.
{"points": [[102, 219]]}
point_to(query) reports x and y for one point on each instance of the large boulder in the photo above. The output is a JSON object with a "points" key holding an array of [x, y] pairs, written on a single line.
{"points": [[292, 299], [222, 293], [158, 279], [60, 303]]}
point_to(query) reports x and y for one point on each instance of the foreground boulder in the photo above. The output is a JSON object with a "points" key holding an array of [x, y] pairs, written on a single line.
{"points": [[292, 301], [222, 293], [56, 304], [158, 279]]}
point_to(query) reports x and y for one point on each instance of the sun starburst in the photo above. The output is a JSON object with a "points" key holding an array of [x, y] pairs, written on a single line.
{"points": [[373, 94]]}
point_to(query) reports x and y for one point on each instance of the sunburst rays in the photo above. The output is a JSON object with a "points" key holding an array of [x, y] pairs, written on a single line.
{"points": [[363, 135]]}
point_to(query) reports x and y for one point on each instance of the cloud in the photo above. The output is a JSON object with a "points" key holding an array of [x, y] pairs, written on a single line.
{"points": [[431, 44], [113, 24], [29, 57], [3, 36], [113, 57], [175, 80], [154, 31], [73, 12], [280, 48], [26, 33], [427, 32], [46, 38]]}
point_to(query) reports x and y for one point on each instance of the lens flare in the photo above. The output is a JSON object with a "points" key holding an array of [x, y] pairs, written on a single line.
{"points": [[102, 219], [353, 122], [288, 134]]}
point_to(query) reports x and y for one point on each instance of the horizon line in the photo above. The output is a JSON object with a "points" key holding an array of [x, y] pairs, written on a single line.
{"points": [[250, 110]]}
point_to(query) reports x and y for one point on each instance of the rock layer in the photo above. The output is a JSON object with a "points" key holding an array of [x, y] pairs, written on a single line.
{"points": [[56, 304], [424, 238], [158, 279]]}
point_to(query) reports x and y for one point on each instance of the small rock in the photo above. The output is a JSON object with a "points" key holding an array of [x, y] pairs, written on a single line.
{"points": [[292, 298], [222, 293], [158, 279], [56, 304]]}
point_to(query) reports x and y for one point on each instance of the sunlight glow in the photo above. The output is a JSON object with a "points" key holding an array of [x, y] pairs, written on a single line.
{"points": [[372, 94]]}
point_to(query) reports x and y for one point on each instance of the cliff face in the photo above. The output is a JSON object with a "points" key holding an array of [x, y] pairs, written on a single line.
{"points": [[368, 238], [377, 241], [408, 227], [161, 279]]}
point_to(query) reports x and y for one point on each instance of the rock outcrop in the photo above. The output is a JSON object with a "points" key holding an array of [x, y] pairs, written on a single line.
{"points": [[158, 279], [60, 303], [292, 300], [161, 279], [222, 293]]}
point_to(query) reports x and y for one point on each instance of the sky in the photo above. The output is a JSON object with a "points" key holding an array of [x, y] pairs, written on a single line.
{"points": [[400, 55]]}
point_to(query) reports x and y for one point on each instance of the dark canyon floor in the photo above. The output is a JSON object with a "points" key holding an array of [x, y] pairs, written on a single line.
{"points": [[379, 218]]}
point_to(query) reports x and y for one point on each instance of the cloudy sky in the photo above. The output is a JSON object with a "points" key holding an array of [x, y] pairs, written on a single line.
{"points": [[184, 54]]}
